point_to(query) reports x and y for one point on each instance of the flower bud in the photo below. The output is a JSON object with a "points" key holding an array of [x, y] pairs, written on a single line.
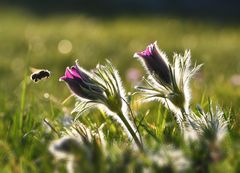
{"points": [[155, 62], [81, 84]]}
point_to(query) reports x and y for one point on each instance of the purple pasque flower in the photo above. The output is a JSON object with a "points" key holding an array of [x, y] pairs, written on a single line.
{"points": [[102, 87], [168, 83], [155, 63], [81, 83]]}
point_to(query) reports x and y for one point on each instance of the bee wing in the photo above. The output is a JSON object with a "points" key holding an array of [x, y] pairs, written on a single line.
{"points": [[34, 70]]}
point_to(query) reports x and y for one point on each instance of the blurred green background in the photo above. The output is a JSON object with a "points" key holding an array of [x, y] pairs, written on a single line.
{"points": [[49, 36], [52, 38]]}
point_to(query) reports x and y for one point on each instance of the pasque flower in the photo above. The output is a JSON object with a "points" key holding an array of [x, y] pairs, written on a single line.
{"points": [[155, 63], [102, 87], [167, 82], [81, 83]]}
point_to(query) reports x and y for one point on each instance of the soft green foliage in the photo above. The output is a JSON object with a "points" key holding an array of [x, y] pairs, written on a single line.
{"points": [[34, 41]]}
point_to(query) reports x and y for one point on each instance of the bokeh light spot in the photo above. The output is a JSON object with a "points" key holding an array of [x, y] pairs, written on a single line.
{"points": [[64, 46]]}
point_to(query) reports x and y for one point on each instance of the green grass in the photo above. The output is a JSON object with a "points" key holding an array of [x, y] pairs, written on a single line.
{"points": [[32, 41]]}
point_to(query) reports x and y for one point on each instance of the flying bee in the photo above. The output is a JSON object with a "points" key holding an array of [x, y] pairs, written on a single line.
{"points": [[39, 74]]}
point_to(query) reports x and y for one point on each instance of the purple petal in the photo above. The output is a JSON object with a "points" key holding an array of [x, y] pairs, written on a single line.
{"points": [[67, 75], [84, 76], [80, 83], [148, 52], [155, 63], [63, 78], [75, 72]]}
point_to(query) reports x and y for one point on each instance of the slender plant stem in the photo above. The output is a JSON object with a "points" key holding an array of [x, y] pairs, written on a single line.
{"points": [[131, 131], [134, 120], [184, 114]]}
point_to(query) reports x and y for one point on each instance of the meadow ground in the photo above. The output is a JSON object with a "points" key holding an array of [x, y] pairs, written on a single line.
{"points": [[56, 41]]}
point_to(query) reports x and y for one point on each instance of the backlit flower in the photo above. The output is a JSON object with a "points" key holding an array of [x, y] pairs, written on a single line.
{"points": [[81, 83], [102, 87], [155, 62], [168, 83]]}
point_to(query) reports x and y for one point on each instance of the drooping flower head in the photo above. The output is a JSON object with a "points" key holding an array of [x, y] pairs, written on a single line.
{"points": [[102, 87], [155, 62], [81, 83]]}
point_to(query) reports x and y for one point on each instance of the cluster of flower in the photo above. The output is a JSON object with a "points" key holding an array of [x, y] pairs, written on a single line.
{"points": [[166, 82]]}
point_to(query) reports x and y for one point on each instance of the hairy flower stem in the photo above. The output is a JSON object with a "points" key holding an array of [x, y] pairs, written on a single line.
{"points": [[184, 114], [131, 131]]}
